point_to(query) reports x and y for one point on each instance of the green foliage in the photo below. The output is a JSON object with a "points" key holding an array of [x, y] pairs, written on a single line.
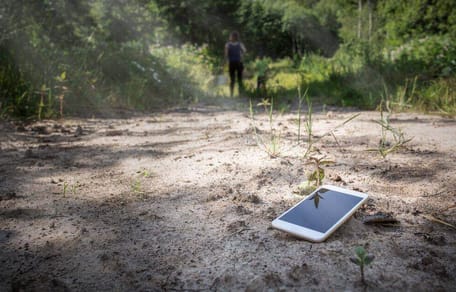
{"points": [[272, 144], [15, 91], [146, 173], [149, 54], [262, 28], [362, 259], [315, 177], [88, 56], [416, 19], [186, 61], [358, 74], [438, 96], [200, 22], [428, 57], [286, 28], [398, 136], [65, 188], [69, 187], [136, 187], [261, 66]]}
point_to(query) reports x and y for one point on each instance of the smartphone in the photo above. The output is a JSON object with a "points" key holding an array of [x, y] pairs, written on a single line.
{"points": [[319, 214]]}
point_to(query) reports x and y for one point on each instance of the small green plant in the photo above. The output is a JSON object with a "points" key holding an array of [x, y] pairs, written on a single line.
{"points": [[399, 140], [272, 147], [315, 178], [308, 125], [362, 259], [260, 67], [43, 92], [328, 133], [145, 173], [69, 187], [65, 188], [61, 79], [310, 145], [73, 189], [301, 98], [404, 95], [136, 186]]}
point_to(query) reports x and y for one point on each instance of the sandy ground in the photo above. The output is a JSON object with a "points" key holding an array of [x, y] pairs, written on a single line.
{"points": [[184, 200]]}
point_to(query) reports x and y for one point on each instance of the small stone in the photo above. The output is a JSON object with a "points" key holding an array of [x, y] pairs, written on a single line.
{"points": [[427, 260], [8, 195], [380, 218], [79, 131], [29, 153]]}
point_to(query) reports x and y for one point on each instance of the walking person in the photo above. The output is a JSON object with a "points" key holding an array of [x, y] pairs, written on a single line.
{"points": [[234, 50]]}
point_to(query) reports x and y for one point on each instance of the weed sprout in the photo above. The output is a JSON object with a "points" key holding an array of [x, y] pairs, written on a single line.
{"points": [[361, 259]]}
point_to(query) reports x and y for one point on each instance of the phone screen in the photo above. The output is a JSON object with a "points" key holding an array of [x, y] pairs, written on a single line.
{"points": [[321, 210]]}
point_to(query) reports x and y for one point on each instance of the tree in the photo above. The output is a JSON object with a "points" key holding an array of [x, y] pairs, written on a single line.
{"points": [[404, 20]]}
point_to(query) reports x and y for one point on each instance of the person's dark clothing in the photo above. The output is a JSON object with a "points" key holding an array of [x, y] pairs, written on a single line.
{"points": [[234, 51], [235, 68]]}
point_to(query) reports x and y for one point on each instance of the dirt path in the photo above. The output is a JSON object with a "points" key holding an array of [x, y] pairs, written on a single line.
{"points": [[184, 200]]}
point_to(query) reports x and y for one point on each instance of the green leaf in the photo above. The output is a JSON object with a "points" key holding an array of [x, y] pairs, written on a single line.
{"points": [[356, 261], [317, 175], [264, 102], [63, 75], [368, 259], [360, 252]]}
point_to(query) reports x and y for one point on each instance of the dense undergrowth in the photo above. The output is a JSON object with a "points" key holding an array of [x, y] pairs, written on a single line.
{"points": [[88, 58], [419, 75], [92, 81]]}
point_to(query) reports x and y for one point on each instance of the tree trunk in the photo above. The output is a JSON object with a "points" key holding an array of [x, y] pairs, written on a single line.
{"points": [[293, 46], [369, 6], [360, 12]]}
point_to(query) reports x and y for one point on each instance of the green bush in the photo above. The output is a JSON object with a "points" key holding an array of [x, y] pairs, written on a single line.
{"points": [[437, 95], [429, 57], [15, 91], [419, 74]]}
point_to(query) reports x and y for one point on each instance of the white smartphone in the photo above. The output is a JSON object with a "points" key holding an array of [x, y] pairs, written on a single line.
{"points": [[319, 214]]}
